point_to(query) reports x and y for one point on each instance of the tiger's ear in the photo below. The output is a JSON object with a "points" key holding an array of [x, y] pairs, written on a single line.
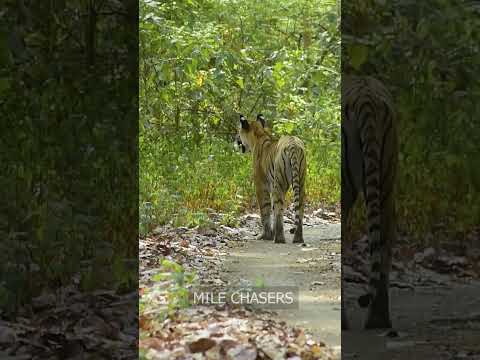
{"points": [[243, 122], [261, 119]]}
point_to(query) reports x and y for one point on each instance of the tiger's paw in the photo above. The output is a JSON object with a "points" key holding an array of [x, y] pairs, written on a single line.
{"points": [[298, 237], [279, 239], [364, 300]]}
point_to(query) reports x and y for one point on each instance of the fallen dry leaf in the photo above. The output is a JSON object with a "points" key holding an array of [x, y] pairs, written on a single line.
{"points": [[201, 345]]}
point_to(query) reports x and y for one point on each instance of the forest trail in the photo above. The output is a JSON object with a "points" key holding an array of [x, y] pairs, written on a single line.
{"points": [[426, 324], [419, 327], [224, 258], [314, 269]]}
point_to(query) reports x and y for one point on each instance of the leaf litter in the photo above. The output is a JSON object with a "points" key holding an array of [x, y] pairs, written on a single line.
{"points": [[73, 325], [211, 332]]}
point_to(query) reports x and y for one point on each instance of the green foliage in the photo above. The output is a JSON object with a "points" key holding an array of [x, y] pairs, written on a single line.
{"points": [[260, 283], [174, 283], [428, 54], [203, 62], [67, 109]]}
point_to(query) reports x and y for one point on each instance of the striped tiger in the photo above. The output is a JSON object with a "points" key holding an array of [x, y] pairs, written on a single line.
{"points": [[277, 165], [369, 163]]}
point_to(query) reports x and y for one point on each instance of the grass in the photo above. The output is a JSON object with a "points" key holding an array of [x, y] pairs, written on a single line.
{"points": [[185, 187]]}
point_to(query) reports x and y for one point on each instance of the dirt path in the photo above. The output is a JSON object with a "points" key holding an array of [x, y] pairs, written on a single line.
{"points": [[222, 258], [432, 323], [434, 304], [426, 325], [434, 307], [314, 268]]}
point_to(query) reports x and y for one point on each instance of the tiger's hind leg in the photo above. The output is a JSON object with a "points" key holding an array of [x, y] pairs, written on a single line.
{"points": [[298, 237], [278, 204], [265, 205], [349, 196]]}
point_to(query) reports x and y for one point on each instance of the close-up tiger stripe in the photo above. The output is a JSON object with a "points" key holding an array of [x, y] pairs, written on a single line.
{"points": [[369, 162], [277, 165]]}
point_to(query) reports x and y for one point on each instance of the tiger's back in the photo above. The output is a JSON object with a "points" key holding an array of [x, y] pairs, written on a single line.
{"points": [[369, 162], [286, 154]]}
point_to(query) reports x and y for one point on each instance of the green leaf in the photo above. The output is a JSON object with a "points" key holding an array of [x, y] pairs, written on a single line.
{"points": [[4, 84], [161, 276], [4, 49], [358, 55], [239, 81], [259, 283]]}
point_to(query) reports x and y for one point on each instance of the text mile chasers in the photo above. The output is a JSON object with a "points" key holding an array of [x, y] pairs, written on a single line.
{"points": [[244, 298]]}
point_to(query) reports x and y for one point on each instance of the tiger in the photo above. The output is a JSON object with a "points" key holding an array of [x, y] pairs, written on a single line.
{"points": [[369, 164], [277, 165]]}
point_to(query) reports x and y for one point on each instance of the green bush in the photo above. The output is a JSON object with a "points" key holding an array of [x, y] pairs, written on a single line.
{"points": [[202, 63], [434, 43]]}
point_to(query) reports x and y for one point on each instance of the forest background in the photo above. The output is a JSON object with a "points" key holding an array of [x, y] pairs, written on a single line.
{"points": [[204, 62]]}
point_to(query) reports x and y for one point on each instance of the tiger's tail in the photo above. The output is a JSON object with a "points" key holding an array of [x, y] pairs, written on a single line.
{"points": [[372, 172], [296, 159]]}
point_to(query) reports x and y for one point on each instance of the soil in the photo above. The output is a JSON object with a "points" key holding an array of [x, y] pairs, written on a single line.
{"points": [[434, 296], [313, 268], [430, 322], [433, 313]]}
